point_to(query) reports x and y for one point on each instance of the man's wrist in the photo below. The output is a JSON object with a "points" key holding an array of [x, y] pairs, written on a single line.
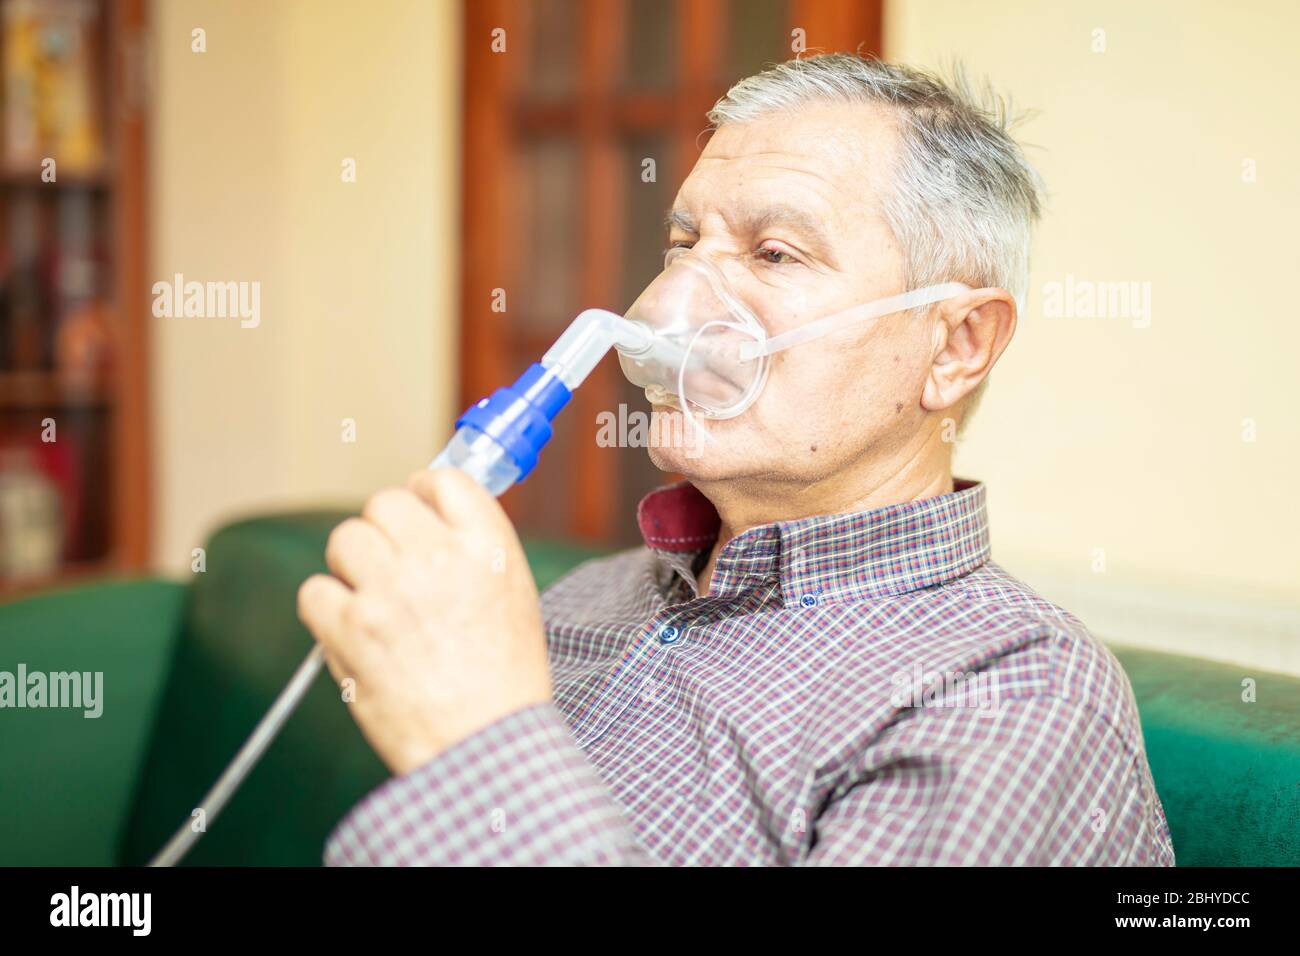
{"points": [[420, 752]]}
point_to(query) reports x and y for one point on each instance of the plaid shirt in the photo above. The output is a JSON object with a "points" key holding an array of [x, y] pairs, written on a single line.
{"points": [[854, 689]]}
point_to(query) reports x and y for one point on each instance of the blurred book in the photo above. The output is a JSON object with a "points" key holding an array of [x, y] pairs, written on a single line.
{"points": [[24, 294], [31, 517], [49, 72]]}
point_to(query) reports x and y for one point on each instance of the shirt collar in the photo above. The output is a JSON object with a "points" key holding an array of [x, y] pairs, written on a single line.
{"points": [[827, 558]]}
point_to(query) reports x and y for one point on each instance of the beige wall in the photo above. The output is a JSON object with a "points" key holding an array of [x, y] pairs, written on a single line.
{"points": [[1096, 433], [358, 281]]}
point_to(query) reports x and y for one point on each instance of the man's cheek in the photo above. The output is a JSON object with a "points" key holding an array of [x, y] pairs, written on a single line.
{"points": [[810, 386]]}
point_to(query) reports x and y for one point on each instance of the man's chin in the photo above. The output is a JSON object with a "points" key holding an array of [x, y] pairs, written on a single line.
{"points": [[668, 459], [684, 447]]}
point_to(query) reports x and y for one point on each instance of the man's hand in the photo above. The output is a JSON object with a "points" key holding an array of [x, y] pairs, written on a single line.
{"points": [[433, 613]]}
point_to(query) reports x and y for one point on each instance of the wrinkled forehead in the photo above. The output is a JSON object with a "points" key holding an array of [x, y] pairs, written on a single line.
{"points": [[833, 161]]}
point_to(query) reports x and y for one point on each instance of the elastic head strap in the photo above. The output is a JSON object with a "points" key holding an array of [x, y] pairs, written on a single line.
{"points": [[859, 313]]}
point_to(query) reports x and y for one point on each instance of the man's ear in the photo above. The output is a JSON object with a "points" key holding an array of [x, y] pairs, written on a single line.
{"points": [[972, 331]]}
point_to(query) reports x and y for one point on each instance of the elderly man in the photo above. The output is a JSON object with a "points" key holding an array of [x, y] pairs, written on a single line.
{"points": [[812, 660]]}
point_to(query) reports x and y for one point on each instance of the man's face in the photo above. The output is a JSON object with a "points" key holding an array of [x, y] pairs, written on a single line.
{"points": [[788, 208]]}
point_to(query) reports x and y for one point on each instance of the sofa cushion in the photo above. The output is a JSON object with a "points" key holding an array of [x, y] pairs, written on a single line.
{"points": [[1227, 770]]}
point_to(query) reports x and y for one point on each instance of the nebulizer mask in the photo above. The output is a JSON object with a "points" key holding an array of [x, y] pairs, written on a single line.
{"points": [[709, 354]]}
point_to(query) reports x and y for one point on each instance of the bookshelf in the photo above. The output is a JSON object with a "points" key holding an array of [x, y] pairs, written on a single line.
{"points": [[73, 291]]}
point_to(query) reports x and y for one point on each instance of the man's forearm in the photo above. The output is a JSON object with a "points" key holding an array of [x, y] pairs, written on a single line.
{"points": [[518, 793]]}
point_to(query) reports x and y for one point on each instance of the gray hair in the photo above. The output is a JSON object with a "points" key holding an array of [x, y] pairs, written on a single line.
{"points": [[964, 199]]}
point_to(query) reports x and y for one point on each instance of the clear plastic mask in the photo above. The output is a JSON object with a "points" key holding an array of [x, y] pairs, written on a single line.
{"points": [[711, 354]]}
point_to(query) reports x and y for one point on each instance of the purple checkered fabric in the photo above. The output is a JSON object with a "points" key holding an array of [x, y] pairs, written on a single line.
{"points": [[855, 689]]}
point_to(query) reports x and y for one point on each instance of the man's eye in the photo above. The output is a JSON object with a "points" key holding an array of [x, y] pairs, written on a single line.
{"points": [[775, 256], [676, 250]]}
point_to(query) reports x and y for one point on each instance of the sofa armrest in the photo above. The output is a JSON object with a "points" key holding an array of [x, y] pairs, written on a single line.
{"points": [[67, 779], [1223, 741]]}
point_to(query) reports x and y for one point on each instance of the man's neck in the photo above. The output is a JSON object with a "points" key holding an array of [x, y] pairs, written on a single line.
{"points": [[919, 472]]}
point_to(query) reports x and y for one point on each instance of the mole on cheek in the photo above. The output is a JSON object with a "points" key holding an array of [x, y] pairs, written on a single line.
{"points": [[812, 447], [898, 407]]}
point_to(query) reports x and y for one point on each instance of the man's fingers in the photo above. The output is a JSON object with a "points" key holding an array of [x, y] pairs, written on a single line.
{"points": [[458, 498], [360, 554], [404, 519], [321, 604], [338, 671]]}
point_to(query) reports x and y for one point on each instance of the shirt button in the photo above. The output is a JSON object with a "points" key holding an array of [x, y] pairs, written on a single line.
{"points": [[668, 634], [808, 600]]}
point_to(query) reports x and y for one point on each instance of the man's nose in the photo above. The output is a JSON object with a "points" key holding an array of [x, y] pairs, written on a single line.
{"points": [[693, 298]]}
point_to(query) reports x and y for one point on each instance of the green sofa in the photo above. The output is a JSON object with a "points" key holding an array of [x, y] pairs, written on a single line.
{"points": [[190, 668]]}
